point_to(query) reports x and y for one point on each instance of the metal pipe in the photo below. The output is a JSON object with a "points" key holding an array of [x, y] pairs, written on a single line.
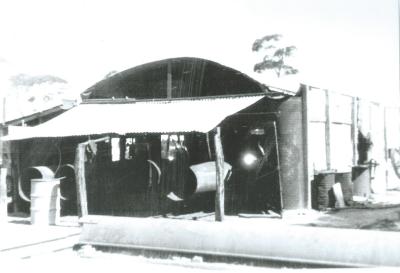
{"points": [[262, 239]]}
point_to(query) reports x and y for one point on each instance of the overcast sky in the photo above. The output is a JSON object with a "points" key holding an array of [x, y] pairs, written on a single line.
{"points": [[346, 45]]}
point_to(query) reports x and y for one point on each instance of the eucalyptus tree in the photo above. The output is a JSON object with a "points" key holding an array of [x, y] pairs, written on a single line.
{"points": [[275, 56]]}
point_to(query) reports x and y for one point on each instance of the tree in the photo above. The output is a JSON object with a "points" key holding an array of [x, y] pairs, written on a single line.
{"points": [[275, 57]]}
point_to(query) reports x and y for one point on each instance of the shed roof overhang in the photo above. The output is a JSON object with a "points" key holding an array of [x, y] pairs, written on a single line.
{"points": [[155, 116]]}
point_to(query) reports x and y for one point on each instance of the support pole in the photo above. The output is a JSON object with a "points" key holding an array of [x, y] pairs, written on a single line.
{"points": [[80, 176], [3, 183], [387, 162], [328, 130], [80, 180], [219, 163], [354, 129], [169, 81], [278, 166], [3, 195]]}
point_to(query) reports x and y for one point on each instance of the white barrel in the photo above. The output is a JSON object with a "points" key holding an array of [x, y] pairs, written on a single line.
{"points": [[45, 201]]}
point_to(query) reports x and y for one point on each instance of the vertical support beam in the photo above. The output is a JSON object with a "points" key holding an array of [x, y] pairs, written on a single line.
{"points": [[308, 171], [12, 163], [3, 195], [3, 120], [1, 146], [3, 171], [80, 176], [219, 163], [327, 131], [278, 165], [169, 81], [80, 180], [208, 146], [2, 128], [354, 128], [386, 147], [16, 172]]}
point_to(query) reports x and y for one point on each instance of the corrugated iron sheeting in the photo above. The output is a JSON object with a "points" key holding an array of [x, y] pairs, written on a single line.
{"points": [[194, 115]]}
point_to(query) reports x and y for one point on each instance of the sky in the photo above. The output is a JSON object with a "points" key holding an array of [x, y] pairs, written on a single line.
{"points": [[348, 46]]}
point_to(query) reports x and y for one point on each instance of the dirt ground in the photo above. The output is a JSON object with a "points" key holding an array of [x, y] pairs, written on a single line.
{"points": [[380, 212], [384, 219], [49, 249]]}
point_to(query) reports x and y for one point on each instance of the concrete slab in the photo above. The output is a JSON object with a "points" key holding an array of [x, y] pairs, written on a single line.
{"points": [[20, 239]]}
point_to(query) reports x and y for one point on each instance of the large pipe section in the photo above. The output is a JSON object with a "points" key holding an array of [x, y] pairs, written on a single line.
{"points": [[255, 239], [205, 176], [291, 151], [201, 178]]}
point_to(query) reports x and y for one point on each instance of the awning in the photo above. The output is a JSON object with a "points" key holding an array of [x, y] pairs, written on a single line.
{"points": [[166, 116]]}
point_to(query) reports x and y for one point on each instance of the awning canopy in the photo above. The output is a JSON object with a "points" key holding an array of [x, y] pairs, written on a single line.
{"points": [[165, 116]]}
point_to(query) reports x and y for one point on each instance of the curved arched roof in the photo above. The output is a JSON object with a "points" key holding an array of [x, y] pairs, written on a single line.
{"points": [[190, 77]]}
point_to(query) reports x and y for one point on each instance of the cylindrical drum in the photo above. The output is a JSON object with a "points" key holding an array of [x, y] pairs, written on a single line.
{"points": [[344, 178], [201, 178], [45, 201], [361, 181], [324, 182]]}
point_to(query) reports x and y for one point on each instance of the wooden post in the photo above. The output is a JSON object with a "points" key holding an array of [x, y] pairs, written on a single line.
{"points": [[1, 146], [80, 176], [3, 120], [219, 163], [3, 184], [327, 130], [3, 171], [354, 129], [80, 180], [386, 146], [278, 165], [169, 80], [15, 162], [3, 195]]}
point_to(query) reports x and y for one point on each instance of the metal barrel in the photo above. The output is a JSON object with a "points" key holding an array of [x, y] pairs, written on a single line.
{"points": [[361, 181], [45, 201], [324, 182], [344, 178]]}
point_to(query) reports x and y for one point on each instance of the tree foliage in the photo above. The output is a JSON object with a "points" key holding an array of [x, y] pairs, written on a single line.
{"points": [[275, 57]]}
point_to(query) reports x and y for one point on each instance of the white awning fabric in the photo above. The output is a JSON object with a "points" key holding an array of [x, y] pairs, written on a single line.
{"points": [[166, 116]]}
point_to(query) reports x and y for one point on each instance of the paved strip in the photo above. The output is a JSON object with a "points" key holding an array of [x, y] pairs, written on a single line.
{"points": [[40, 248]]}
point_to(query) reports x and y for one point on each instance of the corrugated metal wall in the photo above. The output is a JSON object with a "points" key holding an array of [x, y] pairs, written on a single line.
{"points": [[338, 128]]}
